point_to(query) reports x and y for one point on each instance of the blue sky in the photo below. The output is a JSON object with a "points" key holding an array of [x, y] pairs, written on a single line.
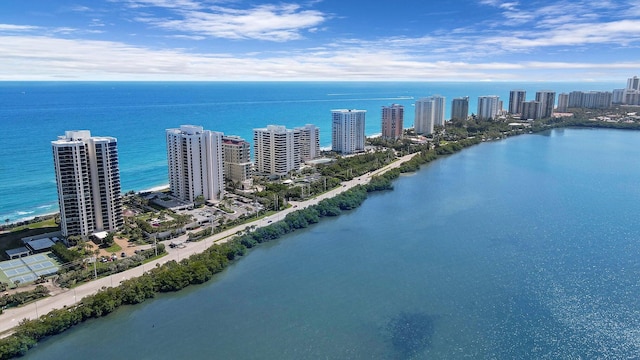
{"points": [[422, 40]]}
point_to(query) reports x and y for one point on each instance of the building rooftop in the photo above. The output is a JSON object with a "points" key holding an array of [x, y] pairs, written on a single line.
{"points": [[40, 244]]}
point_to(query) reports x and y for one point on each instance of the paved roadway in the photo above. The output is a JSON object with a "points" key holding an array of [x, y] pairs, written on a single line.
{"points": [[11, 317]]}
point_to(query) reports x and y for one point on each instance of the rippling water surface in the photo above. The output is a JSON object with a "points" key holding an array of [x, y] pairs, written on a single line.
{"points": [[522, 248]]}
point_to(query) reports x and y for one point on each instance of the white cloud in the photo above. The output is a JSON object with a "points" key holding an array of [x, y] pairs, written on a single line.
{"points": [[475, 52], [281, 22], [557, 12], [80, 8], [45, 58], [17, 28], [172, 4], [615, 32]]}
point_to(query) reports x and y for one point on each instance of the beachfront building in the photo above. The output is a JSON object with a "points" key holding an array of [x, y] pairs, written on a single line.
{"points": [[88, 182], [563, 102], [195, 159], [547, 100], [309, 142], [516, 98], [597, 99], [236, 156], [617, 96], [575, 99], [429, 112], [277, 150], [633, 83], [460, 108], [631, 97], [392, 121], [347, 131], [591, 99], [488, 107], [530, 110]]}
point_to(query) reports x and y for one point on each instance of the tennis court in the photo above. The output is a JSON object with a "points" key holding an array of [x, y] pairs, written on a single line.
{"points": [[28, 268]]}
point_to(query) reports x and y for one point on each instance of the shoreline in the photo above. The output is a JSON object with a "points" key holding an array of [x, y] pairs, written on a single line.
{"points": [[69, 297], [31, 216], [98, 289], [154, 189]]}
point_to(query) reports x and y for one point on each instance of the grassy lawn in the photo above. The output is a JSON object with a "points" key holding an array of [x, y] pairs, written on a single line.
{"points": [[48, 223], [113, 248], [154, 258]]}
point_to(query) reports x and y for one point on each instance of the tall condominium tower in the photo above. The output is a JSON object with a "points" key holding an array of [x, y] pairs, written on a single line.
{"points": [[488, 107], [237, 159], [617, 96], [429, 112], [547, 100], [516, 98], [530, 110], [563, 102], [575, 99], [195, 163], [460, 108], [633, 83], [88, 181], [277, 150], [347, 131], [392, 121], [596, 99], [309, 142]]}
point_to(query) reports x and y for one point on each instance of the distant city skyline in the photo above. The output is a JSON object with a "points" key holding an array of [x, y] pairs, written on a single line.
{"points": [[467, 40]]}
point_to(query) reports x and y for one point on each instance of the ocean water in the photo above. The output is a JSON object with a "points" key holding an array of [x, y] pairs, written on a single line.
{"points": [[32, 114], [522, 248]]}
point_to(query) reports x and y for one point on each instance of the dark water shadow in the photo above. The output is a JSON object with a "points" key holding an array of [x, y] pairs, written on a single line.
{"points": [[410, 333]]}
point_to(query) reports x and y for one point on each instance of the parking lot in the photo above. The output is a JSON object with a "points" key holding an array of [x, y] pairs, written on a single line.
{"points": [[231, 208]]}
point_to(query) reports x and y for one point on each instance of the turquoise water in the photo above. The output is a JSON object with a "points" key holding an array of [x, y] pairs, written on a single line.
{"points": [[522, 248], [32, 114]]}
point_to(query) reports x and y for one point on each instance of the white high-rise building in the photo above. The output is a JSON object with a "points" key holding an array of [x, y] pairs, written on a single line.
{"points": [[597, 99], [618, 96], [630, 95], [88, 181], [309, 142], [347, 131], [633, 83], [530, 110], [429, 112], [488, 107], [547, 100], [563, 102], [516, 98], [195, 158], [276, 150]]}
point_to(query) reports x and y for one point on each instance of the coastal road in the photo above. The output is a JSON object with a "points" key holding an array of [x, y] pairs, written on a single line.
{"points": [[12, 317]]}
